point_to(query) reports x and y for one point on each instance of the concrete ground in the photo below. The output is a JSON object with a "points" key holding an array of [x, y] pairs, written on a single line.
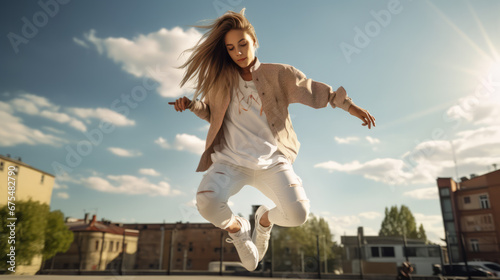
{"points": [[138, 277]]}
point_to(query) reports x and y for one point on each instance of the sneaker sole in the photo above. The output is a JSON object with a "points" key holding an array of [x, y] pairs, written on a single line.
{"points": [[258, 214]]}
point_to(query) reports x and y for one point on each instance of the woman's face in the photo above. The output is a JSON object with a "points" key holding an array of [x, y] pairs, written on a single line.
{"points": [[240, 47]]}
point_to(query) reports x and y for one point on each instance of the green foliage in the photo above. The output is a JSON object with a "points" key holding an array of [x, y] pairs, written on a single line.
{"points": [[290, 242], [29, 231], [37, 231], [58, 237], [401, 223]]}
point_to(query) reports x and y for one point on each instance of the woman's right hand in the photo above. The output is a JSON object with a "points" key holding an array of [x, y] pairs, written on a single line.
{"points": [[181, 104]]}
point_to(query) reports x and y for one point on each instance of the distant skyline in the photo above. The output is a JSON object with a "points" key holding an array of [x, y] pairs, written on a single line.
{"points": [[86, 85]]}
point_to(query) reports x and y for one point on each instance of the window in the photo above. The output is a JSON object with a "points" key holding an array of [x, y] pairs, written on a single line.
{"points": [[41, 180], [474, 243], [97, 245], [447, 209], [486, 219], [387, 251], [1, 165], [467, 199], [117, 245], [383, 252], [190, 246], [111, 246], [485, 202], [179, 247], [434, 252], [445, 192]]}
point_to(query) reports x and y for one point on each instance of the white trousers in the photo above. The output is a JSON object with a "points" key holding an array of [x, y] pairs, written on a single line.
{"points": [[279, 183]]}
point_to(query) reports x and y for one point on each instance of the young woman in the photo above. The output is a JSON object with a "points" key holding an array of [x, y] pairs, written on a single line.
{"points": [[251, 140]]}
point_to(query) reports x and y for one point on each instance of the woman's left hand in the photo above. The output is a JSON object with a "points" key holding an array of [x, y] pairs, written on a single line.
{"points": [[362, 114]]}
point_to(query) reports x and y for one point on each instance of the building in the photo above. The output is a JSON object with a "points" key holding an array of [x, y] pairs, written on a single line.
{"points": [[471, 215], [383, 255], [97, 246], [30, 183], [181, 246]]}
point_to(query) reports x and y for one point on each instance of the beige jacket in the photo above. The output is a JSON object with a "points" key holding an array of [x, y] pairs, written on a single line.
{"points": [[278, 85]]}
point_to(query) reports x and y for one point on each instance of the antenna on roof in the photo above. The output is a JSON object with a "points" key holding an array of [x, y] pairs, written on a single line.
{"points": [[454, 159]]}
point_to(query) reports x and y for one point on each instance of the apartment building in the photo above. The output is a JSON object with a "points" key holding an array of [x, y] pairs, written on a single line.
{"points": [[97, 245], [471, 216], [181, 246], [30, 183]]}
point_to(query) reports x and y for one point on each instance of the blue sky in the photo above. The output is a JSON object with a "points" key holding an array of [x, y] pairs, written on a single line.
{"points": [[429, 72]]}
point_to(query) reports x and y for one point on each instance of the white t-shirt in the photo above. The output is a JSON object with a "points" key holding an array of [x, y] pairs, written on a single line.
{"points": [[248, 140]]}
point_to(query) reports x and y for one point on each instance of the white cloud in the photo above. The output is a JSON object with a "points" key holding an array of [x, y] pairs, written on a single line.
{"points": [[154, 55], [54, 130], [35, 105], [127, 184], [149, 171], [372, 140], [162, 143], [424, 193], [58, 186], [370, 215], [13, 132], [342, 225], [124, 153], [103, 114], [63, 195], [346, 140], [433, 225], [183, 142], [24, 106], [64, 118], [204, 128], [475, 150], [80, 43]]}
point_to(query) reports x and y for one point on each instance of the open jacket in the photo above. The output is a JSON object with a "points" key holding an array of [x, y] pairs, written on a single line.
{"points": [[278, 86]]}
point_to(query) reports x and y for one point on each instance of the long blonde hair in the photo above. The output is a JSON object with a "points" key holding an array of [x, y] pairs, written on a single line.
{"points": [[215, 71]]}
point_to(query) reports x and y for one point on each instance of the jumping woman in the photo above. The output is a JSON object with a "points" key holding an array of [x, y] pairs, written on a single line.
{"points": [[251, 140]]}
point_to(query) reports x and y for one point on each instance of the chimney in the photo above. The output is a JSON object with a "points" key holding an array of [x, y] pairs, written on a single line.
{"points": [[93, 220], [361, 235], [86, 219]]}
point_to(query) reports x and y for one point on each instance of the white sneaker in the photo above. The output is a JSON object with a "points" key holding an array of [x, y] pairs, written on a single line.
{"points": [[261, 235], [244, 246]]}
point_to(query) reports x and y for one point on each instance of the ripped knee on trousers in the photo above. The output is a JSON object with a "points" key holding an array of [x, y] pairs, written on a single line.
{"points": [[204, 192]]}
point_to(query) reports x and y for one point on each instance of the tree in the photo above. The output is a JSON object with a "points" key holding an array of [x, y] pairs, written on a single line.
{"points": [[401, 223], [58, 237], [37, 232], [294, 244]]}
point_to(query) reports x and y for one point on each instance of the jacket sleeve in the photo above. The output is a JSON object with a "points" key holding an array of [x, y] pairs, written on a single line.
{"points": [[301, 89], [201, 109]]}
